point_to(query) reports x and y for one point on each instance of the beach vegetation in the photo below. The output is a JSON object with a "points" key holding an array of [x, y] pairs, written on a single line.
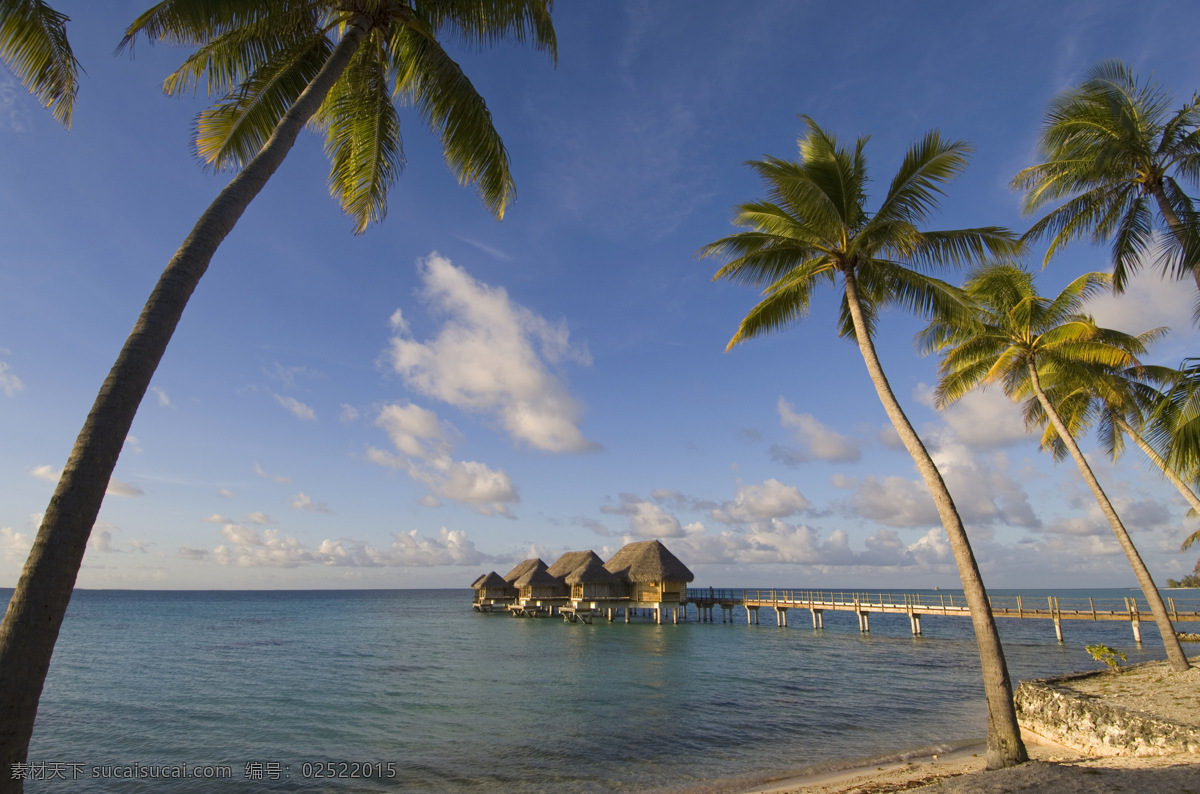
{"points": [[1118, 156], [33, 43], [813, 230], [1110, 656], [1033, 346], [275, 66]]}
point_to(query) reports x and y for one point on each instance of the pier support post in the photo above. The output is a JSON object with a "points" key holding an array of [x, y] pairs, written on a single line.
{"points": [[781, 617], [751, 616], [628, 610], [864, 623], [658, 615], [1137, 629], [915, 619], [818, 616]]}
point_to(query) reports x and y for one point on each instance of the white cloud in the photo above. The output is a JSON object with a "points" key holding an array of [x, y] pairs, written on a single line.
{"points": [[163, 400], [196, 555], [217, 518], [260, 518], [303, 501], [248, 548], [770, 499], [225, 493], [47, 473], [348, 413], [817, 441], [425, 446], [646, 519], [101, 541], [273, 477], [10, 384], [491, 357], [1149, 301], [296, 408], [15, 545], [985, 418]]}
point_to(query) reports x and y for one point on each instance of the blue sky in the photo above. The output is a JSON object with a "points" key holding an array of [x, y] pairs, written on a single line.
{"points": [[447, 394]]}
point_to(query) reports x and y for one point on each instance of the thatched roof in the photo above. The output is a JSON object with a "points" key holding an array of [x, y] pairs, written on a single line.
{"points": [[524, 568], [537, 576], [572, 560], [479, 580], [492, 581], [590, 572], [648, 561]]}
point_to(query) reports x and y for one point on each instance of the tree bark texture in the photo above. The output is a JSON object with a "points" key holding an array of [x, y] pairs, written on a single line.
{"points": [[1184, 489], [35, 612], [1004, 745], [1175, 654]]}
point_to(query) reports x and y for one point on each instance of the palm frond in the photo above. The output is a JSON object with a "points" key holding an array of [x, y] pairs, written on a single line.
{"points": [[33, 42], [429, 79]]}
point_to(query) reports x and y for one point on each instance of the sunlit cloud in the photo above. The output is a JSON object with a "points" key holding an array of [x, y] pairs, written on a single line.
{"points": [[492, 356], [770, 499], [163, 400], [296, 408], [425, 445], [15, 545], [245, 547], [304, 502], [816, 440], [10, 384], [279, 478]]}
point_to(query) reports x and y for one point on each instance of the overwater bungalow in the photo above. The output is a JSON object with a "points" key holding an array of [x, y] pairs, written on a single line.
{"points": [[657, 579], [491, 591], [644, 575]]}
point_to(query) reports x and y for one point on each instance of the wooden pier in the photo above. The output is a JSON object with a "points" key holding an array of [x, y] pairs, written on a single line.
{"points": [[916, 605]]}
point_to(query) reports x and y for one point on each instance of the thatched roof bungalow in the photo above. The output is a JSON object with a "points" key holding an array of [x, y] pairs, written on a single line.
{"points": [[592, 581], [523, 568], [536, 584], [493, 586], [655, 575], [571, 560]]}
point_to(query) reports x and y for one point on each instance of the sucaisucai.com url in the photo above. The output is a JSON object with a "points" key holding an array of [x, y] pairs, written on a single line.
{"points": [[60, 770]]}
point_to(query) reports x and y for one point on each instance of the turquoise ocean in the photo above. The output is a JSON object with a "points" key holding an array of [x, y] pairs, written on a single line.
{"points": [[412, 691]]}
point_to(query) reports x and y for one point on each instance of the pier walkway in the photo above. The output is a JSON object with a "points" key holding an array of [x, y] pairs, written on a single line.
{"points": [[916, 605]]}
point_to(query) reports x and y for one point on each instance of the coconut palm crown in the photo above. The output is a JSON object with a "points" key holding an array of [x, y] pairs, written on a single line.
{"points": [[1119, 156], [1033, 346], [259, 57], [814, 228], [33, 42]]}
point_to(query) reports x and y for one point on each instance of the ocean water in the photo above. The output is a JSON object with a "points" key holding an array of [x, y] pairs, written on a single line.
{"points": [[412, 691]]}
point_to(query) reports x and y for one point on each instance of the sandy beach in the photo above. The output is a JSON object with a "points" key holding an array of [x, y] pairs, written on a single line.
{"points": [[1148, 689]]}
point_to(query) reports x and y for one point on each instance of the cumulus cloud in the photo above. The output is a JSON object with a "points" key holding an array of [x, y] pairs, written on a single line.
{"points": [[10, 384], [646, 519], [101, 541], [259, 517], [424, 445], [817, 441], [770, 499], [296, 408], [15, 545], [246, 547], [303, 501], [1149, 301], [985, 419], [492, 356], [272, 477]]}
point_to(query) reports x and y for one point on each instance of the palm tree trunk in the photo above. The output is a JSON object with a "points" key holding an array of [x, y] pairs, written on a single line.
{"points": [[1184, 490], [1175, 652], [1004, 745], [1178, 229], [36, 609]]}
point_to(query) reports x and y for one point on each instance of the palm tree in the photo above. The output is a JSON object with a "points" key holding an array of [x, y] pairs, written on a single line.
{"points": [[815, 228], [1112, 146], [1018, 339], [277, 64], [33, 42]]}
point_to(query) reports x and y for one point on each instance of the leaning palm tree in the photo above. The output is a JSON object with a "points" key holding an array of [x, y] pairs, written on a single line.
{"points": [[33, 42], [814, 229], [1116, 152], [276, 64], [1019, 339]]}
